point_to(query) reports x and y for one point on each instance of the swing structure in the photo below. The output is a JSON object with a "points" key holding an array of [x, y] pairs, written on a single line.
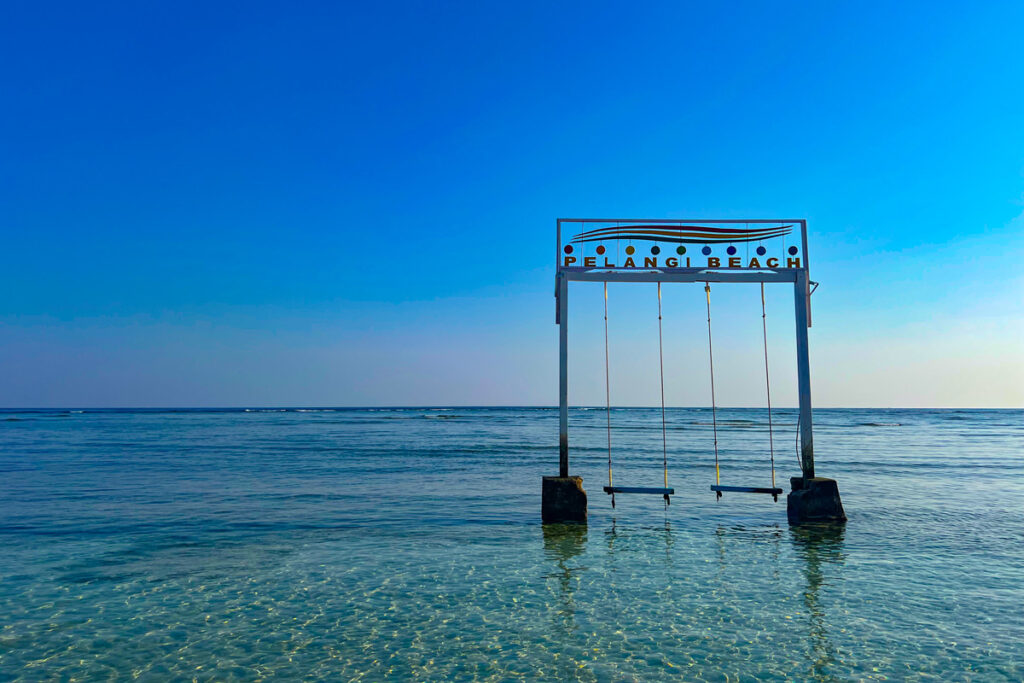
{"points": [[611, 489], [717, 487], [706, 252]]}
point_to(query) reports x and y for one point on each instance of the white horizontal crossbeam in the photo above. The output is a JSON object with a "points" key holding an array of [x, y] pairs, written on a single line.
{"points": [[677, 275]]}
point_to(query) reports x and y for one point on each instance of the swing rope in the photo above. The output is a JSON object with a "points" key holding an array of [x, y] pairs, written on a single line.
{"points": [[611, 488], [718, 488], [661, 372], [767, 384], [711, 364], [607, 390]]}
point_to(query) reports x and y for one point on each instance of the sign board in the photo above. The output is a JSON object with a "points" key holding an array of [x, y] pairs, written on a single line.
{"points": [[763, 245]]}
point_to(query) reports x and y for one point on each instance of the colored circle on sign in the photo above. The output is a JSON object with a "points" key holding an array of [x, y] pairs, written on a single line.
{"points": [[731, 250], [568, 249], [600, 249], [655, 250], [630, 250], [680, 250], [792, 251], [761, 251], [706, 250]]}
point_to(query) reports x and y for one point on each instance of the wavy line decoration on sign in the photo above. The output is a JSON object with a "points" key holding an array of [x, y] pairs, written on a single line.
{"points": [[684, 234]]}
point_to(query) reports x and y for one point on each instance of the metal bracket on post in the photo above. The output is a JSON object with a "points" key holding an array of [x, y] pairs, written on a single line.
{"points": [[812, 285]]}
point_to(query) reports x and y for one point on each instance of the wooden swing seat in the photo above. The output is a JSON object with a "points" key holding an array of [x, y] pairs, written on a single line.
{"points": [[639, 489], [745, 489]]}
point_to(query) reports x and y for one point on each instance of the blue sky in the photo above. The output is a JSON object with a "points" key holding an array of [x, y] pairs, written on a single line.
{"points": [[353, 204]]}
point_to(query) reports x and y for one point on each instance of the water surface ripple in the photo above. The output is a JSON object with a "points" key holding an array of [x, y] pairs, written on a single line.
{"points": [[405, 544]]}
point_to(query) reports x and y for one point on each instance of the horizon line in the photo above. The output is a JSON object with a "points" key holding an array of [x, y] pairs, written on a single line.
{"points": [[481, 406]]}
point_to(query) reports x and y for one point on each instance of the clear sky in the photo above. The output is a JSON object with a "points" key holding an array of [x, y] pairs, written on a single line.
{"points": [[231, 204]]}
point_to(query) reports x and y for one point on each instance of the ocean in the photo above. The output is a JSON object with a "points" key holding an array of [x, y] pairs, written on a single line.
{"points": [[406, 544]]}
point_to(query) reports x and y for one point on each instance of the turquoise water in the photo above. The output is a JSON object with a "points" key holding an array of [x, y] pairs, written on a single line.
{"points": [[406, 545]]}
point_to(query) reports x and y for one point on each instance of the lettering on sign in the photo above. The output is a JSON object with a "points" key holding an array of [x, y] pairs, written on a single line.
{"points": [[645, 245]]}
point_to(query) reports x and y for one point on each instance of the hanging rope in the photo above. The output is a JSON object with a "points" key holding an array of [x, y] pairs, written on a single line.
{"points": [[767, 385], [607, 390], [661, 371], [711, 363]]}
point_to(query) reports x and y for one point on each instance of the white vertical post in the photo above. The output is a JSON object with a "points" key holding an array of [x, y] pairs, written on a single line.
{"points": [[563, 376], [803, 371]]}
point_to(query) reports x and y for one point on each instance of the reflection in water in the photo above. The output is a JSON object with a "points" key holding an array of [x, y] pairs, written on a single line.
{"points": [[669, 543], [563, 542], [818, 545], [613, 536], [759, 534]]}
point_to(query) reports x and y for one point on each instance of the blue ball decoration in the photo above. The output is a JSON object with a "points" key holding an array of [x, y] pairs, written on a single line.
{"points": [[761, 251], [655, 250], [792, 251], [706, 250], [730, 251]]}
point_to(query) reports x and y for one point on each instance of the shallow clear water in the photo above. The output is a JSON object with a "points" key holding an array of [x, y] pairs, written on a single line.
{"points": [[406, 545]]}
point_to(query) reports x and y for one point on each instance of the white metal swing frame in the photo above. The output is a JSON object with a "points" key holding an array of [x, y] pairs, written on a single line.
{"points": [[799, 277]]}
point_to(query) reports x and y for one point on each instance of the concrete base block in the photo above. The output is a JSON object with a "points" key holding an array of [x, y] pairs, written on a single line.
{"points": [[814, 500], [563, 500]]}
